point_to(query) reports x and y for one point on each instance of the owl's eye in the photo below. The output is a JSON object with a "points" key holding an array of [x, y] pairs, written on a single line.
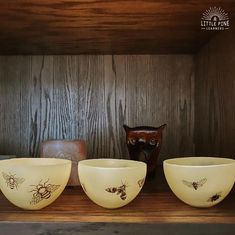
{"points": [[152, 142], [132, 141]]}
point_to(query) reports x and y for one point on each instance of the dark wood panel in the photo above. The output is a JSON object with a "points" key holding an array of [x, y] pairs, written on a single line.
{"points": [[215, 97], [104, 27], [14, 104], [91, 97]]}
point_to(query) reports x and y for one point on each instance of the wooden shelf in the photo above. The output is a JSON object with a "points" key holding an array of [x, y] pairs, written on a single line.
{"points": [[105, 27], [156, 207]]}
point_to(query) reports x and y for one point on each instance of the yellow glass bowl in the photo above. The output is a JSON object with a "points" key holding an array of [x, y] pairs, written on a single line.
{"points": [[33, 183], [111, 183], [200, 181]]}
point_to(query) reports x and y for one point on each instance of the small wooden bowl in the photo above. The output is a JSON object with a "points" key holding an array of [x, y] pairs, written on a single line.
{"points": [[74, 150]]}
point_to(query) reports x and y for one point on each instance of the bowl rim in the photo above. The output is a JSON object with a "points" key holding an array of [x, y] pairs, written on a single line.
{"points": [[171, 162], [36, 162], [136, 164], [63, 141]]}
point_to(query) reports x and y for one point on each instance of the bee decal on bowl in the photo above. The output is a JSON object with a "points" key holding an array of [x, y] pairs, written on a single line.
{"points": [[141, 182], [215, 197], [121, 190], [195, 184], [42, 191], [12, 181]]}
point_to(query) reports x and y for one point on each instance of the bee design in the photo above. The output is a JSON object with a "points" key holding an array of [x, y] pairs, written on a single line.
{"points": [[121, 190], [195, 184], [141, 182], [215, 197], [42, 191], [12, 181]]}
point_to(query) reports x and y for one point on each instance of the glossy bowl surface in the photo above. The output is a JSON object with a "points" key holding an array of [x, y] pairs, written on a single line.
{"points": [[111, 183], [33, 183], [200, 181]]}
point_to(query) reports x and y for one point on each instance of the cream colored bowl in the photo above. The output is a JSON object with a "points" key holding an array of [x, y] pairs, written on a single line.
{"points": [[200, 181], [111, 183], [33, 183]]}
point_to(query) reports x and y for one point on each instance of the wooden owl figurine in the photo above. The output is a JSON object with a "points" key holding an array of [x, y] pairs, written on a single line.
{"points": [[144, 144]]}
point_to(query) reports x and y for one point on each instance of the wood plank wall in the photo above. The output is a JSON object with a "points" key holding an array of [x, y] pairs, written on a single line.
{"points": [[91, 97], [215, 96]]}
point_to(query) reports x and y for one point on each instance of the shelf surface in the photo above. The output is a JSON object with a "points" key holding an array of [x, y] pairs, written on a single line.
{"points": [[105, 27], [155, 204]]}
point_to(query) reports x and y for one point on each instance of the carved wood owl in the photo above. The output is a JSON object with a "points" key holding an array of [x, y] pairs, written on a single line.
{"points": [[144, 144]]}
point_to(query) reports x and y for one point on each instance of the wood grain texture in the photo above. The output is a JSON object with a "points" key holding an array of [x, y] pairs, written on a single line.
{"points": [[91, 97], [215, 96], [104, 27], [72, 150]]}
